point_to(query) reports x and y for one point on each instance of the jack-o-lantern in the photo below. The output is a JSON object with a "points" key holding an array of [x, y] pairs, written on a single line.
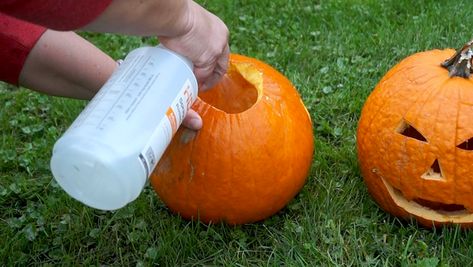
{"points": [[415, 138], [252, 155]]}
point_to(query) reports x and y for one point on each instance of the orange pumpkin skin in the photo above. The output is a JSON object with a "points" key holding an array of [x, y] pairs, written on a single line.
{"points": [[245, 165], [412, 139]]}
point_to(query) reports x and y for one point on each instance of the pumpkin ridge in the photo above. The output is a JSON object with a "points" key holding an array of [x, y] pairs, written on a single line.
{"points": [[403, 70], [434, 94], [379, 112], [406, 65], [456, 150]]}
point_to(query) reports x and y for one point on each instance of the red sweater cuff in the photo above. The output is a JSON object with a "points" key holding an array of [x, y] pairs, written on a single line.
{"points": [[55, 14], [17, 38]]}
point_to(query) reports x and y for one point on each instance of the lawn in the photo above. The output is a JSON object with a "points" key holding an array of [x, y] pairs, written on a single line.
{"points": [[334, 52]]}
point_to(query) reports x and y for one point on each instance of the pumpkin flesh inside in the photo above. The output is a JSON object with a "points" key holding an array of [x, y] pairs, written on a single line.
{"points": [[238, 90]]}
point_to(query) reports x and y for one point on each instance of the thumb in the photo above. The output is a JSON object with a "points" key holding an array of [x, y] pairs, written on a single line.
{"points": [[192, 120]]}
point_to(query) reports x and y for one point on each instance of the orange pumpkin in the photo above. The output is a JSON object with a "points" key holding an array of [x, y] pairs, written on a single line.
{"points": [[415, 139], [252, 155]]}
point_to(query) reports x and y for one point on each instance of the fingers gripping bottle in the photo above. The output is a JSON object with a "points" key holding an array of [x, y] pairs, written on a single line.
{"points": [[106, 156]]}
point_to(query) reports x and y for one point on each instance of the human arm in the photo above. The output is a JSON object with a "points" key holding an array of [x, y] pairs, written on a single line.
{"points": [[77, 80], [65, 64], [181, 25]]}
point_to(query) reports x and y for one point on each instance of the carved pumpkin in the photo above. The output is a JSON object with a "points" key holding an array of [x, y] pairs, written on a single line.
{"points": [[252, 155], [415, 139]]}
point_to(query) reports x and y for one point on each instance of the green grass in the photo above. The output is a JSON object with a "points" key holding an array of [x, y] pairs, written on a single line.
{"points": [[334, 52]]}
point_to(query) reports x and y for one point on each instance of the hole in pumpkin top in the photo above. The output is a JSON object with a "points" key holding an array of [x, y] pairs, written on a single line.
{"points": [[434, 172], [467, 145], [238, 90], [409, 131]]}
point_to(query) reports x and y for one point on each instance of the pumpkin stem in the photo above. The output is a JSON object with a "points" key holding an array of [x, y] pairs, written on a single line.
{"points": [[460, 64]]}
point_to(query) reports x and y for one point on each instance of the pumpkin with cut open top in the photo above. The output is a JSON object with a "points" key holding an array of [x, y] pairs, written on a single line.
{"points": [[252, 155], [415, 138]]}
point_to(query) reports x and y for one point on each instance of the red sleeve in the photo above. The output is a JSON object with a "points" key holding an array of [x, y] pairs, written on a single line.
{"points": [[17, 38], [55, 14]]}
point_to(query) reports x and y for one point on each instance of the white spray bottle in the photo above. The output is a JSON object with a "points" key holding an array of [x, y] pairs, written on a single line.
{"points": [[106, 156]]}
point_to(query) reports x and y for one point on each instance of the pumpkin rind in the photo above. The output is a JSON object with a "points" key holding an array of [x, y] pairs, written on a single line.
{"points": [[420, 93], [240, 167]]}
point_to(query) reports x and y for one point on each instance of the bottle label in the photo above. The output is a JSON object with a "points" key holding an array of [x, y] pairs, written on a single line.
{"points": [[166, 128]]}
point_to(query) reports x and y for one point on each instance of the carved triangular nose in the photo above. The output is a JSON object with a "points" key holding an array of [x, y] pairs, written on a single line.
{"points": [[434, 172]]}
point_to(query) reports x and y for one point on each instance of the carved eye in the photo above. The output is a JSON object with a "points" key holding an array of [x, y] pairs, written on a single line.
{"points": [[408, 130], [467, 145]]}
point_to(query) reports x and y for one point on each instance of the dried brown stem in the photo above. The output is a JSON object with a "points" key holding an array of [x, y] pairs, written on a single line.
{"points": [[460, 64]]}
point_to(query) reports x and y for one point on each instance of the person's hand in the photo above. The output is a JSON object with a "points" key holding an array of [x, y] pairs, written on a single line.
{"points": [[192, 120], [180, 25], [205, 43]]}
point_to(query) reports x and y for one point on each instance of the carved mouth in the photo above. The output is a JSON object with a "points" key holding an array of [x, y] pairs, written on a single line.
{"points": [[434, 211]]}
